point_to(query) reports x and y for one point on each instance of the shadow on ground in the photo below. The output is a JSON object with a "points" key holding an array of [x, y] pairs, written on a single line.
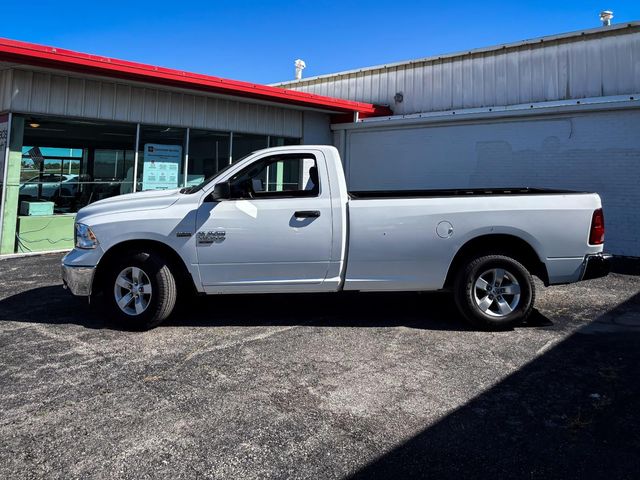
{"points": [[432, 311], [571, 413]]}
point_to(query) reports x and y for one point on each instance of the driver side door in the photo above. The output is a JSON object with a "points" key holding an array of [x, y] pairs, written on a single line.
{"points": [[274, 233]]}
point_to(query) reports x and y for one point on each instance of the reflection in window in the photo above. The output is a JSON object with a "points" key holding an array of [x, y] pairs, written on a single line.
{"points": [[64, 166], [244, 144], [49, 173], [74, 163], [208, 154], [110, 163], [283, 141], [68, 164]]}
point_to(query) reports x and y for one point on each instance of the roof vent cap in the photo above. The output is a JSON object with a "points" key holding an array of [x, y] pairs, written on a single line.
{"points": [[300, 65], [605, 17]]}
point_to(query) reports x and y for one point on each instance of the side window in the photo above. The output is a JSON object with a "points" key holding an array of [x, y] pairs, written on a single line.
{"points": [[279, 176]]}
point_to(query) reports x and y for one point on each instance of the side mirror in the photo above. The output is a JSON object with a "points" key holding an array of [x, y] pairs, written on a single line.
{"points": [[221, 191]]}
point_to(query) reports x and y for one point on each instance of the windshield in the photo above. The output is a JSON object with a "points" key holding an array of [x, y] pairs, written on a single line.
{"points": [[206, 181]]}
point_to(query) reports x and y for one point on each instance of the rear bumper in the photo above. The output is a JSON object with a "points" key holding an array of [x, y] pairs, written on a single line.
{"points": [[596, 266], [79, 280]]}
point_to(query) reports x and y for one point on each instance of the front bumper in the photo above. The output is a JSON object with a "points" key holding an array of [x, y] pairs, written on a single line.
{"points": [[79, 280], [596, 266]]}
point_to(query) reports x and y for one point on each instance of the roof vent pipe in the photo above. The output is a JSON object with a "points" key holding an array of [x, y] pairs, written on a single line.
{"points": [[605, 17], [300, 65]]}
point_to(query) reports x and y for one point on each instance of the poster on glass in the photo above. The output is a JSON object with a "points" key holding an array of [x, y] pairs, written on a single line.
{"points": [[161, 166]]}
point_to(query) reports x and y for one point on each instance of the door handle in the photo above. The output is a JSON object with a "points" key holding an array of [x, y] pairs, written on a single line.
{"points": [[307, 214]]}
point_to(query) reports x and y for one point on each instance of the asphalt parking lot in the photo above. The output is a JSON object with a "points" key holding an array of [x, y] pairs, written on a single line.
{"points": [[327, 386]]}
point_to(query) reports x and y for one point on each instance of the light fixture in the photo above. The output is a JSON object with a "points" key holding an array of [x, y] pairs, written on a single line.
{"points": [[34, 125]]}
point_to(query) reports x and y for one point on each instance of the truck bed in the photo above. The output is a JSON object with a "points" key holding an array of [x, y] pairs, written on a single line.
{"points": [[464, 192]]}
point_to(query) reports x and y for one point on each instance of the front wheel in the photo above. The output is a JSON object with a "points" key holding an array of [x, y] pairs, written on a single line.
{"points": [[494, 292], [141, 290]]}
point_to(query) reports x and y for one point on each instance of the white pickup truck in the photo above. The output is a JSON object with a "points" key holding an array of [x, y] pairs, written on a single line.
{"points": [[281, 220]]}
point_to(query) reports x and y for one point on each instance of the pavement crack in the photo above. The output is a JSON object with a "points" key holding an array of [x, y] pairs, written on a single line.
{"points": [[230, 344]]}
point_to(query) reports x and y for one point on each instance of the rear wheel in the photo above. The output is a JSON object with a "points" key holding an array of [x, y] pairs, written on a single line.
{"points": [[140, 290], [494, 292]]}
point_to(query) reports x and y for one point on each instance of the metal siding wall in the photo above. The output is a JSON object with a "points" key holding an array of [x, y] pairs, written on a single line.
{"points": [[58, 94], [52, 94], [5, 89], [91, 100], [595, 151], [316, 129], [75, 96], [559, 69]]}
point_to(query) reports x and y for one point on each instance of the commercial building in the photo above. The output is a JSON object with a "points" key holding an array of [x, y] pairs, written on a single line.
{"points": [[561, 111], [76, 128]]}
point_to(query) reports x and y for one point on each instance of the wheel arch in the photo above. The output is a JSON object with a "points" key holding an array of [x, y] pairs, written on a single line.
{"points": [[498, 244], [176, 264]]}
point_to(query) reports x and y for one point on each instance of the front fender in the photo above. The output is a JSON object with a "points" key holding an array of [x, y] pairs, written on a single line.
{"points": [[161, 226]]}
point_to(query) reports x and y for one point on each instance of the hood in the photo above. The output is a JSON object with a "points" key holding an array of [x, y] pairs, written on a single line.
{"points": [[130, 202]]}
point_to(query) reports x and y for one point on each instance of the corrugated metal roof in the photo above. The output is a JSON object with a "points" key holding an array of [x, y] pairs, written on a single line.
{"points": [[594, 63], [494, 48]]}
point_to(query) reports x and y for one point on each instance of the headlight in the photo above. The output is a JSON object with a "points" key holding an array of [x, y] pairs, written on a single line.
{"points": [[85, 238]]}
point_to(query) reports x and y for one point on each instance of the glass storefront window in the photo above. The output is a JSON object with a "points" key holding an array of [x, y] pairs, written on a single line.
{"points": [[50, 174], [74, 163], [283, 141], [161, 158], [65, 165], [244, 144], [208, 154], [112, 163]]}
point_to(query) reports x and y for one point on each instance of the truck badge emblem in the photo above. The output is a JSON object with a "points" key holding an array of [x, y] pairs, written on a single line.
{"points": [[211, 237]]}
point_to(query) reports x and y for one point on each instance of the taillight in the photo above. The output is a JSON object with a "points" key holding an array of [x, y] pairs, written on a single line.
{"points": [[596, 236]]}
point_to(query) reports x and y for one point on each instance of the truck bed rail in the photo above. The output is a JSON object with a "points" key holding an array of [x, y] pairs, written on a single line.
{"points": [[464, 192]]}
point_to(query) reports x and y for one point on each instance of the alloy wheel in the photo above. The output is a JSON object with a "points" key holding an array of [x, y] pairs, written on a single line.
{"points": [[497, 292], [132, 291]]}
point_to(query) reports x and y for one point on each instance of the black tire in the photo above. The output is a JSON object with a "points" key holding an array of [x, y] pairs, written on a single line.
{"points": [[470, 299], [159, 302]]}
